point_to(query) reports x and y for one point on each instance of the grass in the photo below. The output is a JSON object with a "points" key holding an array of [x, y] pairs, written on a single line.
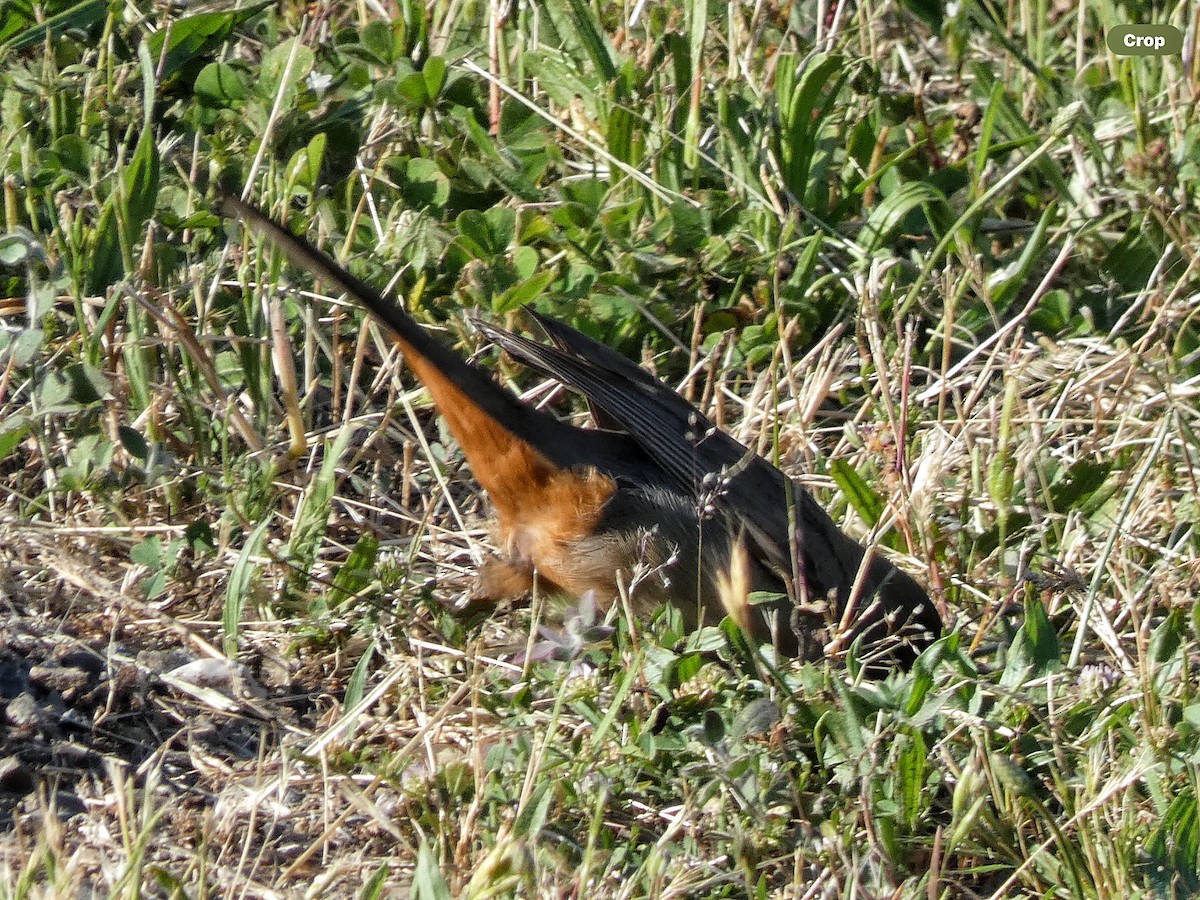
{"points": [[939, 262]]}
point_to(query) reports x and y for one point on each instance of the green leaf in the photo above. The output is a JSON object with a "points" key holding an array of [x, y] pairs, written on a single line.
{"points": [[71, 153], [193, 36], [199, 536], [1184, 347], [356, 687], [696, 16], [1011, 776], [23, 346], [378, 38], [761, 598], [54, 391], [240, 586], [412, 91], [713, 728], [802, 114], [11, 435], [1080, 487], [425, 184], [372, 890], [524, 293], [910, 770], [473, 233], [866, 502], [531, 818], [578, 30], [147, 552], [219, 86], [434, 73], [88, 385], [1041, 644], [107, 266], [623, 135], [1174, 845], [133, 442], [892, 210], [922, 681], [1167, 638], [356, 572], [280, 62], [1007, 283], [487, 235], [314, 156], [684, 667], [312, 513], [525, 261], [14, 249], [19, 29], [690, 228], [562, 79], [930, 12], [502, 225], [428, 883]]}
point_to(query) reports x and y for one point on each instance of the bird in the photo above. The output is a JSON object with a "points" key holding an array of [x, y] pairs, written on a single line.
{"points": [[656, 505]]}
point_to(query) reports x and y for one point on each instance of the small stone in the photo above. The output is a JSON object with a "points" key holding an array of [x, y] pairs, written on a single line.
{"points": [[15, 776], [23, 712]]}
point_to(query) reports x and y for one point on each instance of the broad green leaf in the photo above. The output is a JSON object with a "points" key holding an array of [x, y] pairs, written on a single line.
{"points": [[14, 249], [284, 61], [186, 38], [412, 90], [434, 73], [712, 728], [379, 39], [72, 153], [20, 29], [54, 391], [133, 443], [524, 293], [88, 385], [563, 82], [473, 233], [220, 86], [147, 552]]}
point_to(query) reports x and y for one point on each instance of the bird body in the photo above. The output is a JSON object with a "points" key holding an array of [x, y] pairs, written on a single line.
{"points": [[662, 507]]}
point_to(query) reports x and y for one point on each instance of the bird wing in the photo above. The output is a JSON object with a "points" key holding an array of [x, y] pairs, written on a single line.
{"points": [[702, 461]]}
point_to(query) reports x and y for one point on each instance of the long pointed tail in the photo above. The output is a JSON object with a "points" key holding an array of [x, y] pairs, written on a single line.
{"points": [[495, 430]]}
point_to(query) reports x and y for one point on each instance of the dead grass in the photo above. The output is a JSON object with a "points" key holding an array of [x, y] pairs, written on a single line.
{"points": [[211, 682]]}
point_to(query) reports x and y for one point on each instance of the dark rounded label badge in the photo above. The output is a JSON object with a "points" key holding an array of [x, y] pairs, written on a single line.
{"points": [[1144, 40]]}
